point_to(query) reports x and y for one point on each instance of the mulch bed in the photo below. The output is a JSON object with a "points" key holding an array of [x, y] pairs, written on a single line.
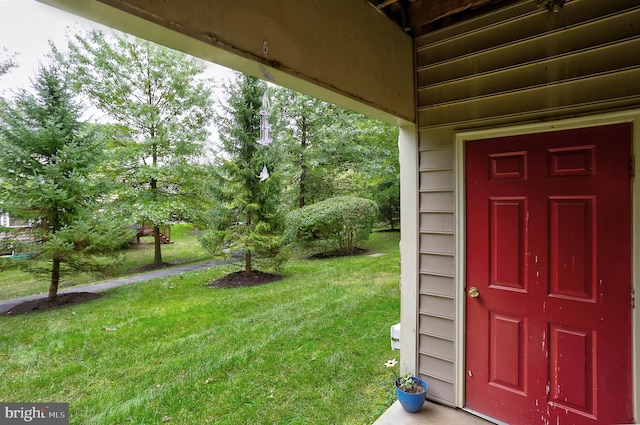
{"points": [[150, 267], [43, 304], [244, 279], [337, 254]]}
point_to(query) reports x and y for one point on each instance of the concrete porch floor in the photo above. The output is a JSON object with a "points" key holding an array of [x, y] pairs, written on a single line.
{"points": [[431, 413]]}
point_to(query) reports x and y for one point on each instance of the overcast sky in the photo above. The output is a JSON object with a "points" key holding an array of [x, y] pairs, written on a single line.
{"points": [[25, 28]]}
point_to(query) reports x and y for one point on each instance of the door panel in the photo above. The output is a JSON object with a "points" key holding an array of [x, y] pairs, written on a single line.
{"points": [[507, 342], [548, 339], [507, 242], [571, 245], [571, 359]]}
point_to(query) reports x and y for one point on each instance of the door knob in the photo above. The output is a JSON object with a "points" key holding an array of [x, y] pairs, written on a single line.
{"points": [[474, 292]]}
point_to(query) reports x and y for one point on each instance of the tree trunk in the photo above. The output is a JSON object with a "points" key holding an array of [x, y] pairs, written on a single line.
{"points": [[247, 262], [55, 279], [302, 187], [303, 166], [157, 247], [157, 257]]}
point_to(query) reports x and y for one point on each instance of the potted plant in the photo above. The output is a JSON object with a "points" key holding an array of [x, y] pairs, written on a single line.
{"points": [[410, 389]]}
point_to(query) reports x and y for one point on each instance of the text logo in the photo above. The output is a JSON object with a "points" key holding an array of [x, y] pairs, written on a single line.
{"points": [[34, 413]]}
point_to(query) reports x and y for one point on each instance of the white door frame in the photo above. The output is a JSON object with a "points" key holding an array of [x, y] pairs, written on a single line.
{"points": [[632, 116]]}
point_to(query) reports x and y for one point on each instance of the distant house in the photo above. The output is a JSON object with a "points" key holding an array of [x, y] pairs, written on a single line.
{"points": [[9, 228], [8, 221]]}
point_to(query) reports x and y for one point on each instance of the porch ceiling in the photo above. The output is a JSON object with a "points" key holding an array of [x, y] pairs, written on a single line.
{"points": [[417, 17]]}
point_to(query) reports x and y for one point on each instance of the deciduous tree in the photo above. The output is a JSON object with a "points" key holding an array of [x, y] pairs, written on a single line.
{"points": [[331, 151], [308, 126], [162, 105]]}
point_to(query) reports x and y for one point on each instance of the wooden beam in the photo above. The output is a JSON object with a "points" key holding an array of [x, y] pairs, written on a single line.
{"points": [[424, 12], [386, 3]]}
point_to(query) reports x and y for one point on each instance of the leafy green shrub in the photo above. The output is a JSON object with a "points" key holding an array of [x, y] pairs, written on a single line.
{"points": [[340, 224]]}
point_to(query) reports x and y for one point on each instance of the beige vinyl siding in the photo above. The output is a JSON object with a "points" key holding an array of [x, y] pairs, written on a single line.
{"points": [[436, 309], [583, 57], [437, 266], [513, 66]]}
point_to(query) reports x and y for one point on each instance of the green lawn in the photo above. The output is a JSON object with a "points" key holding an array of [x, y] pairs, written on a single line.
{"points": [[185, 249], [308, 349]]}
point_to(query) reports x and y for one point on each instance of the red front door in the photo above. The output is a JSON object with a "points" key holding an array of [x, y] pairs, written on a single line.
{"points": [[548, 330]]}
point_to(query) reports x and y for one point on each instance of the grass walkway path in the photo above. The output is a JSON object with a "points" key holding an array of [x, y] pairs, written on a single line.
{"points": [[6, 305]]}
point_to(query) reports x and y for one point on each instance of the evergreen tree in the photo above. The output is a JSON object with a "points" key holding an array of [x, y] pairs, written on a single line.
{"points": [[46, 176], [248, 216]]}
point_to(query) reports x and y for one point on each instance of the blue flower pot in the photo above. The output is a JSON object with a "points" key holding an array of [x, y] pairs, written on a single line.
{"points": [[412, 402]]}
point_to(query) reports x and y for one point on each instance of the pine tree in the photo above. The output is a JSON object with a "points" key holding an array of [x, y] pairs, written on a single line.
{"points": [[248, 218], [46, 174]]}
